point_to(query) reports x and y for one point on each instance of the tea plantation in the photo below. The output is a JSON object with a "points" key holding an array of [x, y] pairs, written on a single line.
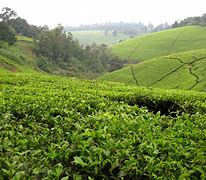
{"points": [[63, 128], [186, 70], [162, 43]]}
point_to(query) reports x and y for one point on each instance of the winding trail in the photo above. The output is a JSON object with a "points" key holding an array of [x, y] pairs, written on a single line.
{"points": [[171, 72], [193, 74], [132, 70], [190, 64], [196, 77], [138, 45], [134, 77], [176, 39]]}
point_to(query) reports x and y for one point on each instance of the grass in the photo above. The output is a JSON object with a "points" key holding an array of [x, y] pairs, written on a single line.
{"points": [[98, 37], [182, 71], [19, 57], [24, 38], [162, 43]]}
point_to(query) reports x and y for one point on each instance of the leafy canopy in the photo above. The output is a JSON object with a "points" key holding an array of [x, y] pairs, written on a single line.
{"points": [[7, 33]]}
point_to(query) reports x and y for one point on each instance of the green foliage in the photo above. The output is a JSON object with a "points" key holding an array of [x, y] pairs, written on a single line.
{"points": [[24, 38], [23, 28], [182, 71], [7, 34], [70, 58], [7, 14], [56, 45], [3, 44], [61, 128], [43, 64], [18, 57]]}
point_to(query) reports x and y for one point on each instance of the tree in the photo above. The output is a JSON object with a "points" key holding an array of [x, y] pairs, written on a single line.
{"points": [[203, 20], [175, 25], [57, 45], [7, 14], [22, 27], [7, 33], [150, 27], [58, 48]]}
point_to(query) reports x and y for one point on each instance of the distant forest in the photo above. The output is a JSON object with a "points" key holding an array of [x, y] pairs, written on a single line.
{"points": [[136, 28], [127, 28], [197, 20]]}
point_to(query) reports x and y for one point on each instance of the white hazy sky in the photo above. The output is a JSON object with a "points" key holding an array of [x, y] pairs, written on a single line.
{"points": [[76, 12]]}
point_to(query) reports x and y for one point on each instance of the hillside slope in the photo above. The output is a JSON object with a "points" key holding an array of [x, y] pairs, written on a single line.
{"points": [[18, 57], [181, 71], [75, 61], [162, 43]]}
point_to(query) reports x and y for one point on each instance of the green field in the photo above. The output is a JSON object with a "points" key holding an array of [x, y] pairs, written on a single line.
{"points": [[98, 37], [162, 43], [178, 71], [62, 128]]}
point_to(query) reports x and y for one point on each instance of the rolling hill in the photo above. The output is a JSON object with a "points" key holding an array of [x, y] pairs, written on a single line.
{"points": [[178, 71], [162, 43]]}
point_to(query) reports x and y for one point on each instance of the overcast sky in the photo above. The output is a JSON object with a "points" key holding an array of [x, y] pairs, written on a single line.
{"points": [[76, 12]]}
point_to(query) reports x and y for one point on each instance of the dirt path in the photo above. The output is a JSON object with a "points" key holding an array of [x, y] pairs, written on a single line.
{"points": [[191, 72], [134, 77]]}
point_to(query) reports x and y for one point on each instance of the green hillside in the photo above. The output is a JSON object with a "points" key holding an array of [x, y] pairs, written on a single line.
{"points": [[18, 57], [27, 55], [62, 128], [181, 71], [98, 37], [162, 43]]}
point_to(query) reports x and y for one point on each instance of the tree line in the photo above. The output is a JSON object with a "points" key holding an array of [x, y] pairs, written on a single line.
{"points": [[126, 28], [58, 47], [11, 24], [197, 20]]}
